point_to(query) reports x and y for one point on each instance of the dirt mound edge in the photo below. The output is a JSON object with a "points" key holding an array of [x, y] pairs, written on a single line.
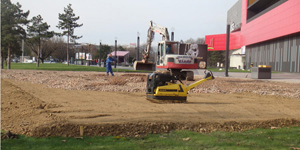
{"points": [[143, 128]]}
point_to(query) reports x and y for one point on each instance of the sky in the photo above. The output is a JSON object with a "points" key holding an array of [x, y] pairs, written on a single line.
{"points": [[107, 20]]}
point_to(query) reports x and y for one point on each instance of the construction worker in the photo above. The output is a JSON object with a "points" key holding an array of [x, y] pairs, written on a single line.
{"points": [[168, 50], [109, 61]]}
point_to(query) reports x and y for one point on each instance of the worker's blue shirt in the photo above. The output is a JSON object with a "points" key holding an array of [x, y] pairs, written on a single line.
{"points": [[109, 60]]}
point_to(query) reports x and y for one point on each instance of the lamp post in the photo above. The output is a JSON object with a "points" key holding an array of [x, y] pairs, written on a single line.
{"points": [[138, 46], [89, 54], [172, 33], [99, 54], [22, 51], [116, 51], [227, 50], [76, 50], [81, 55]]}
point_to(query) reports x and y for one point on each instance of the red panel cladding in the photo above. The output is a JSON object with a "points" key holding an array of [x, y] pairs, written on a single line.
{"points": [[172, 65], [217, 42], [280, 21]]}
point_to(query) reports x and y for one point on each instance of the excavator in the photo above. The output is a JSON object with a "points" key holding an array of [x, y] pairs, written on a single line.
{"points": [[168, 56], [161, 84]]}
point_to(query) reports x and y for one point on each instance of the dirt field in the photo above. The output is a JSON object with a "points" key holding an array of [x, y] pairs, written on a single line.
{"points": [[48, 103]]}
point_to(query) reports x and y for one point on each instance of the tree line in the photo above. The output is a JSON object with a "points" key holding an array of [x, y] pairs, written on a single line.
{"points": [[15, 27], [39, 40]]}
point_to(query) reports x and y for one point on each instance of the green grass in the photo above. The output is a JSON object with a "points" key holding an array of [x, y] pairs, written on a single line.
{"points": [[65, 67], [283, 138]]}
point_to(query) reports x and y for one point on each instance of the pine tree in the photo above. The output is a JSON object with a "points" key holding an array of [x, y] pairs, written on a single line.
{"points": [[105, 50], [67, 22], [12, 20], [37, 33], [216, 56]]}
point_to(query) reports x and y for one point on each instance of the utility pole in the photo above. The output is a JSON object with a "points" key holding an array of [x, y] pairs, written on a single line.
{"points": [[22, 51], [227, 50], [116, 52], [100, 54], [82, 55], [89, 54], [172, 33], [138, 46]]}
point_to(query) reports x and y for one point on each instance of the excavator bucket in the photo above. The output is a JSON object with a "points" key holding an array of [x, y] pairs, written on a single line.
{"points": [[139, 65]]}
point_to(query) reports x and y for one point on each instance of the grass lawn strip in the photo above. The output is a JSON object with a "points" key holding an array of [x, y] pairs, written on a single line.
{"points": [[282, 138]]}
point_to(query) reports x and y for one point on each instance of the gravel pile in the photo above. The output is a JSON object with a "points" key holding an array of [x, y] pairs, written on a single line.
{"points": [[134, 82]]}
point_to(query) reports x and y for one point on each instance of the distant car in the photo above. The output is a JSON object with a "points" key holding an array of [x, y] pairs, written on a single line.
{"points": [[49, 62], [29, 61], [14, 60]]}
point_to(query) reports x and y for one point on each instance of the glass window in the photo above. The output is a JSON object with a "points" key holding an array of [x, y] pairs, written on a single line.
{"points": [[160, 53], [172, 48]]}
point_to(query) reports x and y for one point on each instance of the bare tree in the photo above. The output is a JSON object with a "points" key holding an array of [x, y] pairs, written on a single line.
{"points": [[195, 41], [60, 45], [51, 46], [190, 40], [200, 40], [132, 54], [93, 51], [38, 33], [152, 52], [47, 47]]}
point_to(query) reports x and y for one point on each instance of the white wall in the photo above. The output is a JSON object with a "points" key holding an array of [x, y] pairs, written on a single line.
{"points": [[236, 58]]}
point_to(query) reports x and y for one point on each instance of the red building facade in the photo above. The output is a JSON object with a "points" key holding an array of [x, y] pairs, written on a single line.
{"points": [[270, 31], [278, 22]]}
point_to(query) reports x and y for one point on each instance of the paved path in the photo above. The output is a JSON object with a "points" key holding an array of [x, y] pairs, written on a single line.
{"points": [[283, 76]]}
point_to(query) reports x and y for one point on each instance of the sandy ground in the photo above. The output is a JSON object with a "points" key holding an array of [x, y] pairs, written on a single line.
{"points": [[46, 108]]}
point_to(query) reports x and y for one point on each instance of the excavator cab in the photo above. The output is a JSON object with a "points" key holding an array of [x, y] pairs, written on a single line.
{"points": [[166, 48]]}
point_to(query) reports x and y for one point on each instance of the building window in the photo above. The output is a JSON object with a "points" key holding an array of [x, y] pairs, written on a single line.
{"points": [[257, 8], [250, 2]]}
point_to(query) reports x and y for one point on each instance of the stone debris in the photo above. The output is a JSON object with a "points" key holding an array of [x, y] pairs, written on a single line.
{"points": [[136, 82]]}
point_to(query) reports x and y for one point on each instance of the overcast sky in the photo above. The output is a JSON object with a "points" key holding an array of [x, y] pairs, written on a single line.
{"points": [[106, 19]]}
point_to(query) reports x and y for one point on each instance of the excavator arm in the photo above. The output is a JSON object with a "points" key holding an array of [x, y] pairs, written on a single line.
{"points": [[153, 27]]}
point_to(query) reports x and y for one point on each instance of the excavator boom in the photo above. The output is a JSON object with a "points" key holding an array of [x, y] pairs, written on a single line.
{"points": [[144, 64]]}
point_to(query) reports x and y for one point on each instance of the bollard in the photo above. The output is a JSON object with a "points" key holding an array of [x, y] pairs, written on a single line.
{"points": [[81, 130]]}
